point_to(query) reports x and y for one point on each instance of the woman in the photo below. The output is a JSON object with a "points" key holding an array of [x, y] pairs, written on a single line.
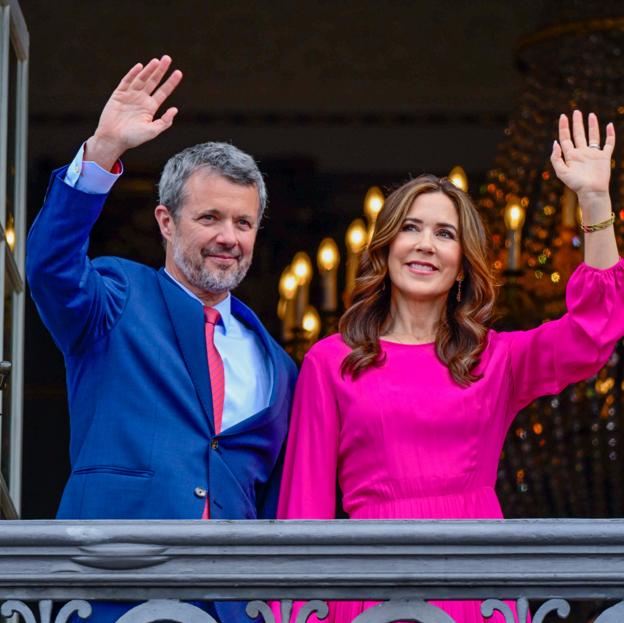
{"points": [[409, 405]]}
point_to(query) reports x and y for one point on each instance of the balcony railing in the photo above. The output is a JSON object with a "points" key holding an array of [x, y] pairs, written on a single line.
{"points": [[551, 562]]}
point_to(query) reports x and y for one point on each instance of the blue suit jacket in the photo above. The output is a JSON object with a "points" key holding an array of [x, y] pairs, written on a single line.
{"points": [[142, 433]]}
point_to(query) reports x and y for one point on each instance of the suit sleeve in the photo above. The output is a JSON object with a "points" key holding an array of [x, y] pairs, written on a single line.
{"points": [[573, 348], [309, 482], [267, 505], [78, 300]]}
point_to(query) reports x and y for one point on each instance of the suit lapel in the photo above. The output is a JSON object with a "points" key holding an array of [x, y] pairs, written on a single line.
{"points": [[279, 386], [187, 318]]}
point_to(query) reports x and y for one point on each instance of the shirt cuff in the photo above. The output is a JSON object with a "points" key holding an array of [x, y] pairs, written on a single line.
{"points": [[90, 177]]}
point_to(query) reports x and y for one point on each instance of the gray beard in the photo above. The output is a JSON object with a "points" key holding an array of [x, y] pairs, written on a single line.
{"points": [[217, 282]]}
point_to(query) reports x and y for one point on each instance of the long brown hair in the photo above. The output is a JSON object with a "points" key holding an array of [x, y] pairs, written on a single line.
{"points": [[462, 331]]}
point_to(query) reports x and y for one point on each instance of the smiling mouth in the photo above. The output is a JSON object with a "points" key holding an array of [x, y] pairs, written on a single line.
{"points": [[223, 258], [421, 267]]}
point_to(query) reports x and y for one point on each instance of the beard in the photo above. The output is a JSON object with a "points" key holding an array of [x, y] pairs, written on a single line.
{"points": [[217, 280]]}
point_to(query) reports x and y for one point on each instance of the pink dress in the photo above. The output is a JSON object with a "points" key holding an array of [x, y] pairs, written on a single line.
{"points": [[408, 443]]}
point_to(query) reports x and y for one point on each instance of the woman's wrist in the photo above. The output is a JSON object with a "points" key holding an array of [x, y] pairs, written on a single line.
{"points": [[595, 206]]}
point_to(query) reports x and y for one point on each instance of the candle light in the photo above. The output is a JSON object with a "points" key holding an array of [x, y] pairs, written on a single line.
{"points": [[458, 178], [281, 309], [10, 237], [514, 215], [373, 202], [311, 324], [356, 242], [286, 305], [302, 269], [10, 233], [327, 260]]}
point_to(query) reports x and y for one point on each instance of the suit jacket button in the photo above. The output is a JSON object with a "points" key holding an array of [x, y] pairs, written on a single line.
{"points": [[200, 492], [215, 444]]}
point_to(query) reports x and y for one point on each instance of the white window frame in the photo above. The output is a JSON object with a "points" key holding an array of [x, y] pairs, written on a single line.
{"points": [[14, 33]]}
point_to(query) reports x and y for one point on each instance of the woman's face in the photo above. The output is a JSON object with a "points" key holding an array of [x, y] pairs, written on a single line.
{"points": [[425, 257]]}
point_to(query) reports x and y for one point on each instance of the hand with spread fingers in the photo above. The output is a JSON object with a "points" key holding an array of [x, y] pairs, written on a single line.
{"points": [[583, 164], [129, 117]]}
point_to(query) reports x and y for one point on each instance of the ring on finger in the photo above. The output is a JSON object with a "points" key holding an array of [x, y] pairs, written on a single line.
{"points": [[594, 145]]}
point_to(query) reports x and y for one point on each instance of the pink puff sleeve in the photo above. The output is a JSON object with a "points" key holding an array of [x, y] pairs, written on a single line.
{"points": [[308, 488], [547, 359]]}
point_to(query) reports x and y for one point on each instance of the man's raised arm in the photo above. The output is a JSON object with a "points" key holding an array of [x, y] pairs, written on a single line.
{"points": [[77, 300]]}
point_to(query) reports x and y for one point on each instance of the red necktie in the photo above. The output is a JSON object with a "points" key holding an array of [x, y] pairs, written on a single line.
{"points": [[217, 378], [215, 367]]}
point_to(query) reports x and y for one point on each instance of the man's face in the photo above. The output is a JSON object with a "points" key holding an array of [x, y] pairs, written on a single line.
{"points": [[210, 243]]}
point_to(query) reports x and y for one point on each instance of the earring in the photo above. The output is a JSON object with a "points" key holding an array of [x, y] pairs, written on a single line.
{"points": [[459, 286]]}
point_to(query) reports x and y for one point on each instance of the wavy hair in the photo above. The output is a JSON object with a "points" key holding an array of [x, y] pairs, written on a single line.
{"points": [[462, 331]]}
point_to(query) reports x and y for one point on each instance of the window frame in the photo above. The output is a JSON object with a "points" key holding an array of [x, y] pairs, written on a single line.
{"points": [[14, 38]]}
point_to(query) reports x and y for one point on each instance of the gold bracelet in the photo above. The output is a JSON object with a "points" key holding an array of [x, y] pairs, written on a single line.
{"points": [[588, 229]]}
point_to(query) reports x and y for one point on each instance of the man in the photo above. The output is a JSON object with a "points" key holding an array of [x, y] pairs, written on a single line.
{"points": [[178, 397]]}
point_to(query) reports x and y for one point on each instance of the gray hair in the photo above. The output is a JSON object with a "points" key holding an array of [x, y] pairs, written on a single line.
{"points": [[220, 158]]}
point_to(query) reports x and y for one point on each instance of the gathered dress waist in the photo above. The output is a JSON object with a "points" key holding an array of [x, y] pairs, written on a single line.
{"points": [[478, 503]]}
